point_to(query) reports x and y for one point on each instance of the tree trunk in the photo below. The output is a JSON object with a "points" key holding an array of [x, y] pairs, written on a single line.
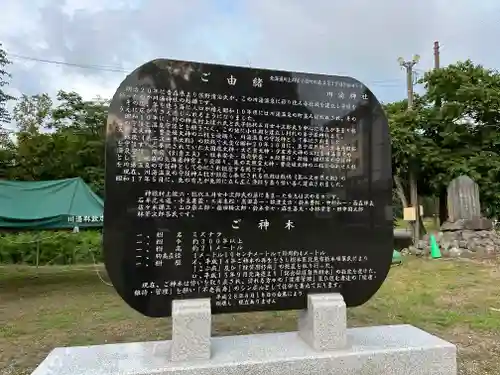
{"points": [[402, 196], [423, 231], [400, 191]]}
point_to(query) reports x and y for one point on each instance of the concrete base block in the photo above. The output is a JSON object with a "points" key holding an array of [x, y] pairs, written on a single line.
{"points": [[191, 329], [323, 324], [382, 350]]}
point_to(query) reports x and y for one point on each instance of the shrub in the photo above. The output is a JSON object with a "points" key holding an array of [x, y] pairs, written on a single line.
{"points": [[53, 247]]}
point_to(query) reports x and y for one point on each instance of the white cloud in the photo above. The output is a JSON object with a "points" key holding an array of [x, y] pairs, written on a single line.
{"points": [[71, 7], [362, 38], [90, 88]]}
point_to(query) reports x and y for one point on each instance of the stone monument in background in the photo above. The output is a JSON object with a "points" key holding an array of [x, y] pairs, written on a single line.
{"points": [[232, 189], [463, 199], [466, 233]]}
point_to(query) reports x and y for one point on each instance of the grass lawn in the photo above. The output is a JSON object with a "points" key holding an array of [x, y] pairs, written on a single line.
{"points": [[456, 300]]}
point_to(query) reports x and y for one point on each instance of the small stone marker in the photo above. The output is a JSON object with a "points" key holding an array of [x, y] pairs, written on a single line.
{"points": [[463, 199], [251, 187]]}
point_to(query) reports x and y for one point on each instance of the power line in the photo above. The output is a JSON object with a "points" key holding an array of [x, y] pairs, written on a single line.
{"points": [[393, 82], [83, 66]]}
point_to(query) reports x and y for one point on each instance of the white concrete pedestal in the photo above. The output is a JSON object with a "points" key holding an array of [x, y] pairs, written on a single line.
{"points": [[322, 346], [191, 330]]}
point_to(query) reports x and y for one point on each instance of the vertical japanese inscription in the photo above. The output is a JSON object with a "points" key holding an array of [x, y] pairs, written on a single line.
{"points": [[251, 187]]}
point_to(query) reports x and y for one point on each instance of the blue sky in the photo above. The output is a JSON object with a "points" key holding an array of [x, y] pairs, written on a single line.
{"points": [[360, 38]]}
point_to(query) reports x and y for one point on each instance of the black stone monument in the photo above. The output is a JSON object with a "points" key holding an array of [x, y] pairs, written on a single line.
{"points": [[252, 187]]}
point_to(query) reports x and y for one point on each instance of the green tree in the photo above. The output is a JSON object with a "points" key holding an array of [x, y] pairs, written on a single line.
{"points": [[458, 137], [407, 141], [7, 156], [34, 152], [4, 77], [6, 152], [33, 113], [83, 123], [60, 142], [465, 129]]}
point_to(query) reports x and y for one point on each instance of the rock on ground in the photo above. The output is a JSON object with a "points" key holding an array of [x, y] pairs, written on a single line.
{"points": [[459, 239]]}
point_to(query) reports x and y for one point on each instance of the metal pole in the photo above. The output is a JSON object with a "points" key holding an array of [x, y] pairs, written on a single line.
{"points": [[437, 204], [412, 178]]}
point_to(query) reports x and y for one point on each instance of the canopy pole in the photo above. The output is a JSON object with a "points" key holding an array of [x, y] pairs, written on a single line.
{"points": [[37, 253]]}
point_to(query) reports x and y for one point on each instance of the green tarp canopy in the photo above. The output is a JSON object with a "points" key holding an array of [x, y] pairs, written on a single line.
{"points": [[54, 204]]}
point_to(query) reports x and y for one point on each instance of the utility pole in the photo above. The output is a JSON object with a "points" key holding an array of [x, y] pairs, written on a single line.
{"points": [[440, 202], [436, 55], [408, 66]]}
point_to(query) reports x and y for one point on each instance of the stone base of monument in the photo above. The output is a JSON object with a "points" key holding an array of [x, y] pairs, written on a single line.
{"points": [[472, 238], [322, 345]]}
